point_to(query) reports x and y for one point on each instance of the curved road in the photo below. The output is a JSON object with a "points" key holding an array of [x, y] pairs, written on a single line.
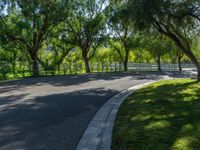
{"points": [[51, 113]]}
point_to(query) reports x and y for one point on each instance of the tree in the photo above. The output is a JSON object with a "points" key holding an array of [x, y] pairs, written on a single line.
{"points": [[122, 31], [57, 47], [177, 20], [85, 27], [175, 55], [157, 46], [11, 49], [30, 23]]}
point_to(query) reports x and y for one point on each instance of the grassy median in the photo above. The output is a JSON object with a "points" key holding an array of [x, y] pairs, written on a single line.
{"points": [[162, 116]]}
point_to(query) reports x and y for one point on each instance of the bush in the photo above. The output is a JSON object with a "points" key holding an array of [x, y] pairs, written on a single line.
{"points": [[5, 69]]}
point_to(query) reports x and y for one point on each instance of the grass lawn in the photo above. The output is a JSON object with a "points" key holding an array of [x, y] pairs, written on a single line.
{"points": [[162, 116]]}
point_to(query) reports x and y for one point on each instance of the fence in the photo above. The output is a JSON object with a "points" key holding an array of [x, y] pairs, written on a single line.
{"points": [[77, 68], [154, 67]]}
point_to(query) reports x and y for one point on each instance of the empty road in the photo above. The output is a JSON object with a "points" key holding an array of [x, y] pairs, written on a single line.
{"points": [[51, 113]]}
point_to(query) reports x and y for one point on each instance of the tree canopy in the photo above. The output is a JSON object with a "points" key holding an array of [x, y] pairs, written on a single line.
{"points": [[177, 20], [59, 35]]}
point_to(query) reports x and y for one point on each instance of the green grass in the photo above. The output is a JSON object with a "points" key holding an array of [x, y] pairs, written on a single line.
{"points": [[162, 116]]}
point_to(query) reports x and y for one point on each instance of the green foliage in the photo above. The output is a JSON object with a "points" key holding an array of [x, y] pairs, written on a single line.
{"points": [[158, 46], [5, 64], [177, 20], [85, 25], [29, 22], [104, 55], [52, 35]]}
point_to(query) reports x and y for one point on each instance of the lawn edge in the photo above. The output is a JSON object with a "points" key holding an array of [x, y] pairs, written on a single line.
{"points": [[98, 134]]}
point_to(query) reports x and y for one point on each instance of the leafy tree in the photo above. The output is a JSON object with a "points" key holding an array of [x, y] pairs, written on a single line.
{"points": [[12, 49], [178, 20], [5, 63], [56, 49], [122, 31], [158, 46], [142, 55], [175, 55], [30, 23], [84, 28]]}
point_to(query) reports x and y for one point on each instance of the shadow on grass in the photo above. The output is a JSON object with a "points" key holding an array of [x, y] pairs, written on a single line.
{"points": [[163, 116]]}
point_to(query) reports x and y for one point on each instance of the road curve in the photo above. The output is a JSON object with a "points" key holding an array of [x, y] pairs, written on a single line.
{"points": [[51, 113]]}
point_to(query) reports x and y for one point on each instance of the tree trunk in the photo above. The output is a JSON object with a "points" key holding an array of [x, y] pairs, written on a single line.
{"points": [[35, 68], [86, 61], [126, 61], [195, 62], [198, 70], [179, 63], [125, 66], [186, 50], [158, 63], [87, 65], [198, 75]]}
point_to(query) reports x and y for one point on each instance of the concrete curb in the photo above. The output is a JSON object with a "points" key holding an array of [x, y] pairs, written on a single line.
{"points": [[98, 134]]}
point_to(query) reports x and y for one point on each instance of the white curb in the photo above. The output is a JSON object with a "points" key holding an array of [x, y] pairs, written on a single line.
{"points": [[98, 134]]}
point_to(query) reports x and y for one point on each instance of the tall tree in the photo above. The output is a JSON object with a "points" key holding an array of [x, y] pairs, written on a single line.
{"points": [[178, 20], [175, 55], [122, 30], [31, 22], [157, 46], [84, 28], [56, 49]]}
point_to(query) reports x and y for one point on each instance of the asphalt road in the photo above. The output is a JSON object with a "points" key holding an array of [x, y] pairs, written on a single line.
{"points": [[51, 113]]}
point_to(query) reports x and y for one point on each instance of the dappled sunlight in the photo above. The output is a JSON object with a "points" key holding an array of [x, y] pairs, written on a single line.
{"points": [[162, 116], [157, 125], [192, 95], [69, 81], [51, 116], [184, 143], [148, 101], [187, 127], [141, 117]]}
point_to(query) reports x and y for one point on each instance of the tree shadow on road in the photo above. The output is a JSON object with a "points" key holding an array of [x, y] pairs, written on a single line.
{"points": [[68, 80], [53, 122]]}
